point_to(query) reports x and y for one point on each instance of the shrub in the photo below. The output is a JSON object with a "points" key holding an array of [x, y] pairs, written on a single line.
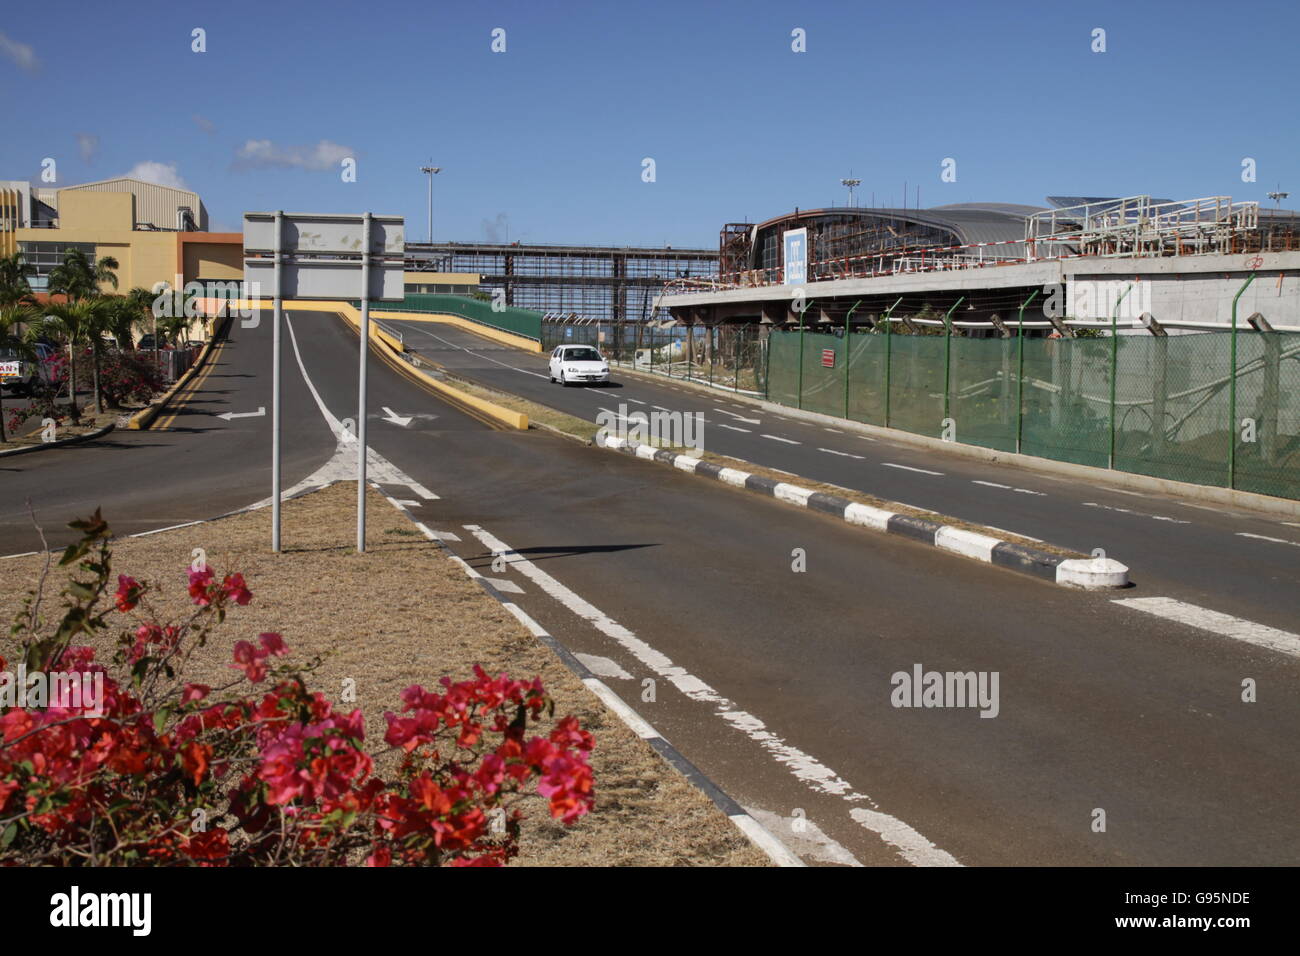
{"points": [[159, 770]]}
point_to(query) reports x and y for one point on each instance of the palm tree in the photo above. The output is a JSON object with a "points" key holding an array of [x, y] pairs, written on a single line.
{"points": [[14, 287], [73, 322], [12, 340], [125, 316], [79, 278]]}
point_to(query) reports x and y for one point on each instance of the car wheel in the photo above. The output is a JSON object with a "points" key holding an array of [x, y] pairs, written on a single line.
{"points": [[562, 380]]}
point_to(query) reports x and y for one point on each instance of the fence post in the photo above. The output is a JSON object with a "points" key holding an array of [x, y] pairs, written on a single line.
{"points": [[889, 354], [767, 366], [1232, 391], [947, 355], [799, 395], [1114, 370], [848, 354], [1020, 370]]}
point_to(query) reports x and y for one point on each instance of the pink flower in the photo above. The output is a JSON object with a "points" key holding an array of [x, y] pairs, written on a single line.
{"points": [[236, 590]]}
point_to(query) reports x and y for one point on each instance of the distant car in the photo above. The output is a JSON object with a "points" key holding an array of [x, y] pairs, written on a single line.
{"points": [[578, 364], [21, 376]]}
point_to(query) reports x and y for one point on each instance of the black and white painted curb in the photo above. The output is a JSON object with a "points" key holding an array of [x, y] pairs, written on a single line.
{"points": [[757, 834], [1090, 573]]}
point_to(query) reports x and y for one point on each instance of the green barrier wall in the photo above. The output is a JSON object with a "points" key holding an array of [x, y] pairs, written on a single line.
{"points": [[1166, 413], [520, 321]]}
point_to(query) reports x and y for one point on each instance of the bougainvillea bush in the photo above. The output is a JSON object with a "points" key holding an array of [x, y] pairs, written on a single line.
{"points": [[262, 770]]}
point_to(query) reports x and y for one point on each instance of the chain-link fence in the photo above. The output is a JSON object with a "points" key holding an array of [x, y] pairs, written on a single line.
{"points": [[1168, 406], [727, 356]]}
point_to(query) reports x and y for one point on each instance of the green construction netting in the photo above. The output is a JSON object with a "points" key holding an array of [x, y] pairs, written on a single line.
{"points": [[982, 392], [916, 373], [1052, 397], [1066, 399]]}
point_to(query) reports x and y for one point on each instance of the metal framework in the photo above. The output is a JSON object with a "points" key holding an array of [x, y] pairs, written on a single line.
{"points": [[597, 283]]}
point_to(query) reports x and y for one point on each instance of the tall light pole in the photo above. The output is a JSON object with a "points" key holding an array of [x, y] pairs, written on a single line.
{"points": [[431, 170], [852, 184], [1278, 196]]}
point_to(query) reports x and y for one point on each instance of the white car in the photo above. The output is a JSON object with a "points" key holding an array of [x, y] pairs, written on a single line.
{"points": [[579, 364]]}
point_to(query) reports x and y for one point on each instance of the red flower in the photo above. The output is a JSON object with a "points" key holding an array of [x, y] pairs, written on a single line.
{"points": [[235, 589], [128, 593]]}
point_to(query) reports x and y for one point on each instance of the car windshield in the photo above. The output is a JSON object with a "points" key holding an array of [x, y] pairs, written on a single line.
{"points": [[581, 355]]}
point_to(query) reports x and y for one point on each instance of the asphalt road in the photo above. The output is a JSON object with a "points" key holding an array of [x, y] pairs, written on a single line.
{"points": [[777, 683], [1231, 559]]}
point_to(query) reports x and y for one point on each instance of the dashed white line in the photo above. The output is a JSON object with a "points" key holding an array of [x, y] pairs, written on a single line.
{"points": [[842, 454], [912, 846], [1264, 537], [1225, 625], [924, 471], [1130, 511], [1023, 491], [735, 428], [788, 441]]}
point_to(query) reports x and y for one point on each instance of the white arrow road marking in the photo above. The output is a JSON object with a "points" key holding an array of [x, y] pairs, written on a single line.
{"points": [[788, 441], [392, 416], [842, 454], [261, 410], [911, 845], [923, 471], [1224, 625]]}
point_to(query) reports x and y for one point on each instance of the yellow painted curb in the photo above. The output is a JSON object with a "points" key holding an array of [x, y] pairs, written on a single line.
{"points": [[145, 416], [506, 416], [499, 335]]}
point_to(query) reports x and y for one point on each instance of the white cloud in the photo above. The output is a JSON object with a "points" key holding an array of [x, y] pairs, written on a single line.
{"points": [[265, 154], [23, 55], [88, 143], [164, 174]]}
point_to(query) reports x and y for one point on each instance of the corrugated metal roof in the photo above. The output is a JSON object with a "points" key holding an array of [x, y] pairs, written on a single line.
{"points": [[154, 204]]}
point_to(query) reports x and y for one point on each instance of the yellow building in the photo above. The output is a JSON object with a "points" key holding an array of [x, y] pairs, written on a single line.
{"points": [[122, 218]]}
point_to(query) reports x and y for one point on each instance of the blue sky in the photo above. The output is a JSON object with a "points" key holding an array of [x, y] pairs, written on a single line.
{"points": [[545, 142]]}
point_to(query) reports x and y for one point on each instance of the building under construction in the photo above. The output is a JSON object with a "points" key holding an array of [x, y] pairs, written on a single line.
{"points": [[597, 284]]}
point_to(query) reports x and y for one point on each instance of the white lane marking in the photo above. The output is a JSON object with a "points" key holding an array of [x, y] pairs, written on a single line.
{"points": [[437, 535], [806, 768], [405, 502], [342, 466], [25, 554], [833, 431], [637, 400], [1226, 514], [739, 418], [1023, 491], [145, 534], [807, 836], [734, 428], [1125, 491], [502, 584], [480, 354], [788, 441], [603, 666], [1292, 524], [661, 408], [1130, 511], [866, 438], [1264, 537], [763, 838], [1215, 622], [924, 471], [842, 454]]}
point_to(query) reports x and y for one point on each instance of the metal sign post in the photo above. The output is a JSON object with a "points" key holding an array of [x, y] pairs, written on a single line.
{"points": [[315, 256], [275, 385], [361, 384]]}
